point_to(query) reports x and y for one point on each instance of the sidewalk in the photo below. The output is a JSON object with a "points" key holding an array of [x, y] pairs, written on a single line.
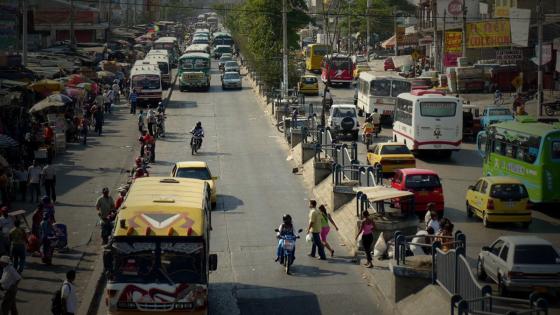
{"points": [[82, 171]]}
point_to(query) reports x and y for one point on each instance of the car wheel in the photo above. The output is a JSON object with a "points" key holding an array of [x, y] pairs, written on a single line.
{"points": [[485, 220], [502, 290], [469, 211], [480, 273]]}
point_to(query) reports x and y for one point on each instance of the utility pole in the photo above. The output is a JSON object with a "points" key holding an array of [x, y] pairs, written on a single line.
{"points": [[443, 43], [540, 93], [349, 30], [368, 27], [284, 49], [435, 61], [464, 29], [133, 12], [72, 33], [24, 34], [396, 30]]}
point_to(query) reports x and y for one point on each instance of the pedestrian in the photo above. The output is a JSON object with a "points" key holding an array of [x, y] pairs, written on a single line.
{"points": [[445, 235], [6, 222], [34, 180], [325, 228], [4, 185], [105, 206], [9, 283], [21, 178], [433, 222], [109, 99], [366, 229], [46, 231], [120, 199], [18, 239], [314, 227], [116, 91], [151, 118], [84, 129], [69, 299], [49, 181], [48, 208], [141, 121], [133, 99], [100, 98], [99, 121]]}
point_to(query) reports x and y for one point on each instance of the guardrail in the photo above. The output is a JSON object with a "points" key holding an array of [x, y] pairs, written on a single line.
{"points": [[535, 305], [403, 242]]}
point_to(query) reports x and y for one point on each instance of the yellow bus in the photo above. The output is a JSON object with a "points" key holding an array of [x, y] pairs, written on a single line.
{"points": [[314, 55], [158, 258]]}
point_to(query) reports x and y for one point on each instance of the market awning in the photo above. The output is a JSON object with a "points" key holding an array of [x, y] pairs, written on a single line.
{"points": [[55, 100], [380, 193], [390, 43]]}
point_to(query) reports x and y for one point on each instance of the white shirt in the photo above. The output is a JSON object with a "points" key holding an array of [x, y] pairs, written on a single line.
{"points": [[35, 174], [435, 225], [68, 292], [9, 277]]}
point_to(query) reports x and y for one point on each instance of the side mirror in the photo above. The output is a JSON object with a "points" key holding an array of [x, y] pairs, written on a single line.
{"points": [[276, 230], [485, 248], [213, 262], [215, 177]]}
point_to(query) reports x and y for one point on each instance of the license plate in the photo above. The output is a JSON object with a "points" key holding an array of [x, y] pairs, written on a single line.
{"points": [[437, 145], [510, 204]]}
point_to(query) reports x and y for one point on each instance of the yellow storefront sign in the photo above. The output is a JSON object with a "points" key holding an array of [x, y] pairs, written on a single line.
{"points": [[493, 33]]}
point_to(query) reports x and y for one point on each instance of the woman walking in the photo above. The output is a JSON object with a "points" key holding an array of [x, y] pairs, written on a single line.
{"points": [[325, 228], [366, 229]]}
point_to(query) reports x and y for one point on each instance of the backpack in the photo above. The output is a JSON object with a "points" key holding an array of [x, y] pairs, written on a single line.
{"points": [[56, 301]]}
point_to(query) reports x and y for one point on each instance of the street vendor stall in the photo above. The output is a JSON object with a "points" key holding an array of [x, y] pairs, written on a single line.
{"points": [[377, 195]]}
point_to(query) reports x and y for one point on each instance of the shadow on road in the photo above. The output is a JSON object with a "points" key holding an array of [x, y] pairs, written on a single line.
{"points": [[228, 203]]}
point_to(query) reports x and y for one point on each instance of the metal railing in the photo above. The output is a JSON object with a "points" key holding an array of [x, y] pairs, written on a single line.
{"points": [[496, 305], [403, 242]]}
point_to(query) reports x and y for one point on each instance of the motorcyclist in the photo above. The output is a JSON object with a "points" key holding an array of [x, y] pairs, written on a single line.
{"points": [[197, 132], [106, 211], [286, 228], [367, 129]]}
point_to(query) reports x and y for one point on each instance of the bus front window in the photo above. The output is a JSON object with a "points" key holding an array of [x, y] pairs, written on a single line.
{"points": [[134, 262], [380, 88], [146, 82]]}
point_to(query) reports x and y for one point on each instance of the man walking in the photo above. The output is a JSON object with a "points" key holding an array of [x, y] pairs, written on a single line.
{"points": [[9, 283], [105, 205], [49, 181], [34, 180], [315, 228], [68, 294], [133, 98], [18, 239]]}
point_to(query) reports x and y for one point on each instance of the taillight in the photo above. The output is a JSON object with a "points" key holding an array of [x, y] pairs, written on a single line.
{"points": [[490, 204]]}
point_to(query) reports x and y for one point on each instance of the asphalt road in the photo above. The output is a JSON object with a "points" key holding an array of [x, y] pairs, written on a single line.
{"points": [[256, 187]]}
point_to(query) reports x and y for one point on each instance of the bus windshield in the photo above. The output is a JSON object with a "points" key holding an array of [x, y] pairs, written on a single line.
{"points": [[146, 82], [320, 50], [438, 109], [194, 64], [137, 262], [500, 112], [380, 88], [400, 87]]}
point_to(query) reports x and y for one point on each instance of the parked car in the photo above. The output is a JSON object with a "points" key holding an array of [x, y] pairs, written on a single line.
{"points": [[495, 114], [197, 170], [231, 80], [308, 84], [521, 263], [231, 66], [389, 65], [223, 59], [426, 186], [499, 199], [343, 120], [362, 67], [391, 156]]}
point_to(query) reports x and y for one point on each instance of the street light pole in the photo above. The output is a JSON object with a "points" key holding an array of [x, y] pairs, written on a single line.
{"points": [[367, 29], [540, 93], [284, 49], [349, 29], [396, 29]]}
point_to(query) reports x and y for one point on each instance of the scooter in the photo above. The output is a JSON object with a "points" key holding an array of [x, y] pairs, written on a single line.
{"points": [[288, 245], [196, 143]]}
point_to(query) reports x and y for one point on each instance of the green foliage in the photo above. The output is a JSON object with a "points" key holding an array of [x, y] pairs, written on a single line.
{"points": [[256, 26]]}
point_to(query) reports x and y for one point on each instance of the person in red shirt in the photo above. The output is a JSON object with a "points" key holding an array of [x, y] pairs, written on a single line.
{"points": [[120, 200], [48, 134], [148, 139]]}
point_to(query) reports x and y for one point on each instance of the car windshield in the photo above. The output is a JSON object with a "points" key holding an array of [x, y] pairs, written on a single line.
{"points": [[231, 76], [195, 173], [535, 255], [146, 82], [500, 112], [400, 87], [394, 149], [438, 109], [422, 181], [381, 87], [344, 112], [508, 191], [231, 64]]}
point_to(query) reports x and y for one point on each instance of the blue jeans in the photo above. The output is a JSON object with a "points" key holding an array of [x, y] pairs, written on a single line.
{"points": [[318, 245]]}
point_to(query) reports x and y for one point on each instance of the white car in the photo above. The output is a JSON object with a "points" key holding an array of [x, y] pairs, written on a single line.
{"points": [[231, 66], [521, 263], [231, 80], [343, 120], [223, 59]]}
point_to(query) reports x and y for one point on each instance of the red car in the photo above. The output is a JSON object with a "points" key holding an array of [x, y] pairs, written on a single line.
{"points": [[425, 185], [388, 64]]}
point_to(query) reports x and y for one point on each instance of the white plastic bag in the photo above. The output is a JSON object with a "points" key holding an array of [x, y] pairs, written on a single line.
{"points": [[380, 247], [309, 238]]}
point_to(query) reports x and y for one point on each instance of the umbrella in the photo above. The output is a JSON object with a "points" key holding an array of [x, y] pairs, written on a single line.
{"points": [[7, 142], [77, 79], [55, 100], [74, 92], [85, 85], [105, 75], [46, 86]]}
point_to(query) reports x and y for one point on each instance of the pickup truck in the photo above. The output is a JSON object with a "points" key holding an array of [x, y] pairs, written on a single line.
{"points": [[495, 114]]}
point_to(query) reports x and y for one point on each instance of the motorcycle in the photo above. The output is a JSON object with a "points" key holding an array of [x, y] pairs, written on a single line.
{"points": [[288, 245], [552, 109], [196, 143]]}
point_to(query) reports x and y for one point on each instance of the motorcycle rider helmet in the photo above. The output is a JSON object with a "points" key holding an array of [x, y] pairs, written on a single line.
{"points": [[287, 219], [198, 124]]}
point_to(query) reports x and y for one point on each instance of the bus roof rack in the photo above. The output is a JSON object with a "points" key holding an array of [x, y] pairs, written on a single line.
{"points": [[419, 92]]}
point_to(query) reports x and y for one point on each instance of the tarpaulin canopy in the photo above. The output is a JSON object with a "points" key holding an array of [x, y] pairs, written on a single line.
{"points": [[380, 193], [390, 43], [55, 100]]}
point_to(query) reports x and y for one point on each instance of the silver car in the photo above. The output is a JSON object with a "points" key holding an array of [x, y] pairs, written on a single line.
{"points": [[521, 263], [231, 66], [231, 80]]}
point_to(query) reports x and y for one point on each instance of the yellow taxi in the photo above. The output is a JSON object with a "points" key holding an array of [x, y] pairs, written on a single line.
{"points": [[499, 199], [361, 67], [308, 84], [391, 156], [197, 170]]}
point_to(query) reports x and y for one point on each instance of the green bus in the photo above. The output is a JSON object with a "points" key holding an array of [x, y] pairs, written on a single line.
{"points": [[194, 71], [527, 150]]}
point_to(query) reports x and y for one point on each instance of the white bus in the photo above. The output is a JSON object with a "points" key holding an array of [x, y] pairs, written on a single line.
{"points": [[200, 48], [145, 78], [380, 92], [164, 67], [171, 45], [428, 120]]}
